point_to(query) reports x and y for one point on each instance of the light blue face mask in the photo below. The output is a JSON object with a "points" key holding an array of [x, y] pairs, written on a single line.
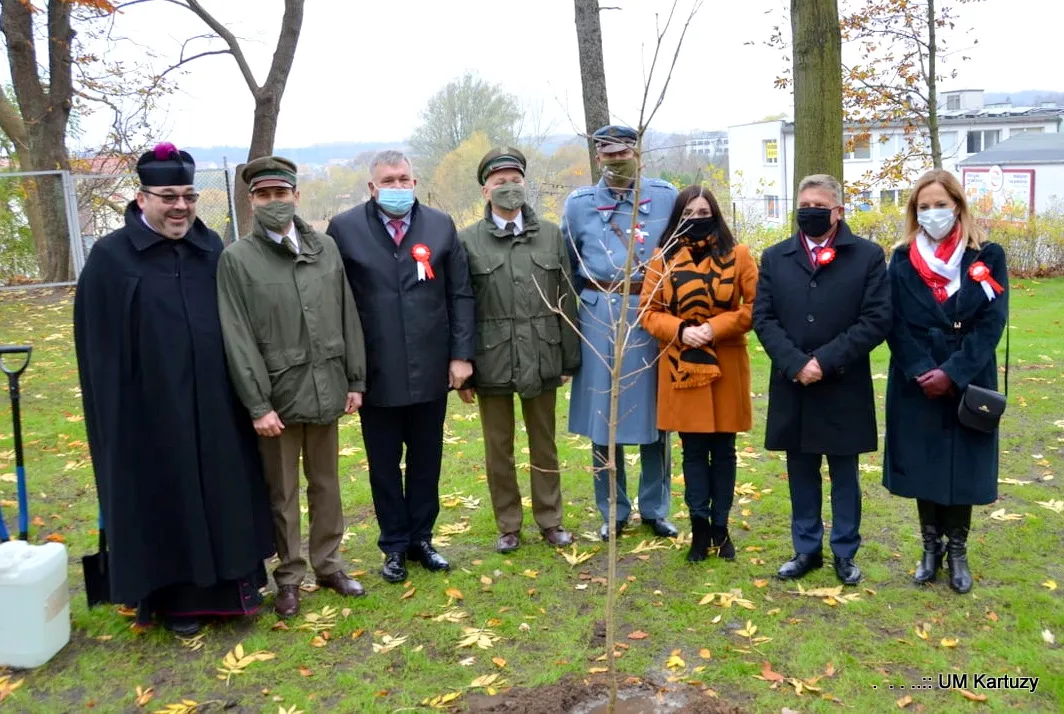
{"points": [[396, 201]]}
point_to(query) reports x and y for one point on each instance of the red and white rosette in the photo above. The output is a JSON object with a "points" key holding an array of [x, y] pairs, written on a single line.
{"points": [[422, 255], [826, 256], [981, 274]]}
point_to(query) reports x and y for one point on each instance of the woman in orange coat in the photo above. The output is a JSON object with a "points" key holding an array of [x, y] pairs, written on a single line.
{"points": [[697, 301]]}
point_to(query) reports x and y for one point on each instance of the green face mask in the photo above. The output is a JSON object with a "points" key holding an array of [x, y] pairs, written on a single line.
{"points": [[509, 196], [620, 172], [276, 216]]}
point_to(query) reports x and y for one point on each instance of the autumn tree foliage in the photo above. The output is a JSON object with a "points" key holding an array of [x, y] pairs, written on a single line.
{"points": [[893, 58]]}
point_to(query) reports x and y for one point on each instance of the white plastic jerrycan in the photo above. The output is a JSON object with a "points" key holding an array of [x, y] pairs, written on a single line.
{"points": [[34, 603]]}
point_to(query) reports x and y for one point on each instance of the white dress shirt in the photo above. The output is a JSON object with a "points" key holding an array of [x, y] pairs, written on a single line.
{"points": [[518, 221], [293, 235]]}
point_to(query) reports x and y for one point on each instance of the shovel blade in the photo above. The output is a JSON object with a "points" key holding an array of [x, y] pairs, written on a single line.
{"points": [[97, 579]]}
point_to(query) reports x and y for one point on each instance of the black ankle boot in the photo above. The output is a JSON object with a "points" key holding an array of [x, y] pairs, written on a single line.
{"points": [[699, 539], [960, 577], [719, 539], [929, 565]]}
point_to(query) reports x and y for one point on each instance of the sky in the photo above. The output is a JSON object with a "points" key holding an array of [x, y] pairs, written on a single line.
{"points": [[364, 70]]}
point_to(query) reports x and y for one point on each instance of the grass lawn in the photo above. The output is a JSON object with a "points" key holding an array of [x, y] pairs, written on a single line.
{"points": [[860, 655]]}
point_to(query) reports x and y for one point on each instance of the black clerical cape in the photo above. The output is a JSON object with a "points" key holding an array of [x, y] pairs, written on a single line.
{"points": [[174, 452]]}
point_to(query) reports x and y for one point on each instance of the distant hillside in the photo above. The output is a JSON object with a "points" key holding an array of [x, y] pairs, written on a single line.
{"points": [[1025, 97]]}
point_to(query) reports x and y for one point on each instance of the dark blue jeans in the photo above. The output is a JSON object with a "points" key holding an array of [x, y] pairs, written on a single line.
{"points": [[709, 475]]}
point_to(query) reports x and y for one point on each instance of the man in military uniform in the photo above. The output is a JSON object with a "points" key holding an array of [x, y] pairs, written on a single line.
{"points": [[297, 358], [526, 343], [597, 224]]}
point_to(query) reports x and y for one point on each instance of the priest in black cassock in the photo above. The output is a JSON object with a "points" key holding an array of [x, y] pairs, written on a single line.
{"points": [[177, 467]]}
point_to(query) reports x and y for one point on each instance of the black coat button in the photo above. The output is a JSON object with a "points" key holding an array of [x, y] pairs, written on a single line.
{"points": [[810, 318], [812, 283]]}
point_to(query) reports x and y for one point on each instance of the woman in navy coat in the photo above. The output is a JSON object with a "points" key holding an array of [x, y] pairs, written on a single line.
{"points": [[949, 288]]}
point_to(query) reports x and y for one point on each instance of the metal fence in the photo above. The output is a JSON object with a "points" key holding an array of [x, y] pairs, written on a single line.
{"points": [[85, 207]]}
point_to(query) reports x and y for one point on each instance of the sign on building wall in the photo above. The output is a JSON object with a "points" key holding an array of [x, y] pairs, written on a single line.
{"points": [[1004, 194]]}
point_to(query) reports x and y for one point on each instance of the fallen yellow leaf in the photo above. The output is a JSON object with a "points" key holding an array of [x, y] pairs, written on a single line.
{"points": [[1050, 585], [408, 594], [970, 695], [904, 701], [705, 653], [638, 635], [598, 670], [948, 642], [498, 662]]}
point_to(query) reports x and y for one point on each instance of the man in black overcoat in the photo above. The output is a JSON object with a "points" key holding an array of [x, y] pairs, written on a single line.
{"points": [[177, 468], [410, 279], [823, 304]]}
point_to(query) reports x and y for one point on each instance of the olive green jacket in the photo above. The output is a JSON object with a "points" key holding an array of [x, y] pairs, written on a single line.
{"points": [[523, 345], [292, 335]]}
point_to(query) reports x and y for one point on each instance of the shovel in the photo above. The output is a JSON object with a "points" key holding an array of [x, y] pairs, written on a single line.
{"points": [[20, 468], [97, 575]]}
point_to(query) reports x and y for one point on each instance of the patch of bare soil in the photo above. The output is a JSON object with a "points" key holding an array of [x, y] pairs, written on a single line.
{"points": [[573, 696]]}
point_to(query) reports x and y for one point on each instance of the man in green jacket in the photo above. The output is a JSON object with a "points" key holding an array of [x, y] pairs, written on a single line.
{"points": [[296, 354], [526, 343]]}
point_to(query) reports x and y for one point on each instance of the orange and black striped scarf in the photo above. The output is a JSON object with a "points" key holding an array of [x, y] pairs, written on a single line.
{"points": [[698, 291]]}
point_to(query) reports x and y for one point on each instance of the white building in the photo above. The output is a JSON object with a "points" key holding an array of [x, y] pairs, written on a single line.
{"points": [[761, 155], [1016, 178], [711, 144]]}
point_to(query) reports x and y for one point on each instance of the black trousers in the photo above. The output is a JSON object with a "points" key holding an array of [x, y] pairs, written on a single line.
{"points": [[946, 518], [807, 525], [709, 475], [406, 513]]}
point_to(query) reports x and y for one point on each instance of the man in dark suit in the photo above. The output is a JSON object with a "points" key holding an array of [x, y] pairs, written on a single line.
{"points": [[410, 279], [823, 304]]}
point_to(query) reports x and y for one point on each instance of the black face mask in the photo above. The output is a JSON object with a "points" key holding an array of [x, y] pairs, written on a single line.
{"points": [[814, 222], [698, 229]]}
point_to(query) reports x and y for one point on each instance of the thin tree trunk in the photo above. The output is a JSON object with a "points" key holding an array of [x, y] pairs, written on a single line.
{"points": [[267, 97], [932, 88], [817, 89], [592, 74]]}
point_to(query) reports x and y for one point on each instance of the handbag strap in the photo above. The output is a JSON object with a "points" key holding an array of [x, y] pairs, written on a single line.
{"points": [[1007, 320]]}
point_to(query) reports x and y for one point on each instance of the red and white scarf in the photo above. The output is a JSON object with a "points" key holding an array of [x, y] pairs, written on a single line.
{"points": [[939, 265]]}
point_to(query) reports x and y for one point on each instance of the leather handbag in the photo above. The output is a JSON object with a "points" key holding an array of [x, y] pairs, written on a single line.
{"points": [[981, 408]]}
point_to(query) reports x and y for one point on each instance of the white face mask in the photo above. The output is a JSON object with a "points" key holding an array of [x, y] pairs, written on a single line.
{"points": [[936, 222]]}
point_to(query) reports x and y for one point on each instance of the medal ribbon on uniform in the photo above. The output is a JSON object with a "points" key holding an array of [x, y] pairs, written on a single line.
{"points": [[981, 274], [422, 255]]}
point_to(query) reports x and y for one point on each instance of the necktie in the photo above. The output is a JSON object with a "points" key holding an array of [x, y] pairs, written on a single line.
{"points": [[287, 243], [511, 228], [399, 230], [816, 254]]}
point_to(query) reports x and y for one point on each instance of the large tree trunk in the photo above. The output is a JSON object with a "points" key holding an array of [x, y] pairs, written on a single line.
{"points": [[932, 88], [45, 115], [817, 89], [592, 74]]}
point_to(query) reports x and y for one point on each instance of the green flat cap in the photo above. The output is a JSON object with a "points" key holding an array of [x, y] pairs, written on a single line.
{"points": [[506, 157], [268, 171]]}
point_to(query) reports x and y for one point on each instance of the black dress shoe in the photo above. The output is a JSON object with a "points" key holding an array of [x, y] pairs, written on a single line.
{"points": [[847, 571], [394, 570], [425, 554], [661, 527], [604, 531], [182, 626], [799, 565]]}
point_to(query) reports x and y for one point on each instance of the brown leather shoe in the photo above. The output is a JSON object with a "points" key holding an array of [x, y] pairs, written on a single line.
{"points": [[558, 537], [286, 604], [508, 543], [342, 583]]}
